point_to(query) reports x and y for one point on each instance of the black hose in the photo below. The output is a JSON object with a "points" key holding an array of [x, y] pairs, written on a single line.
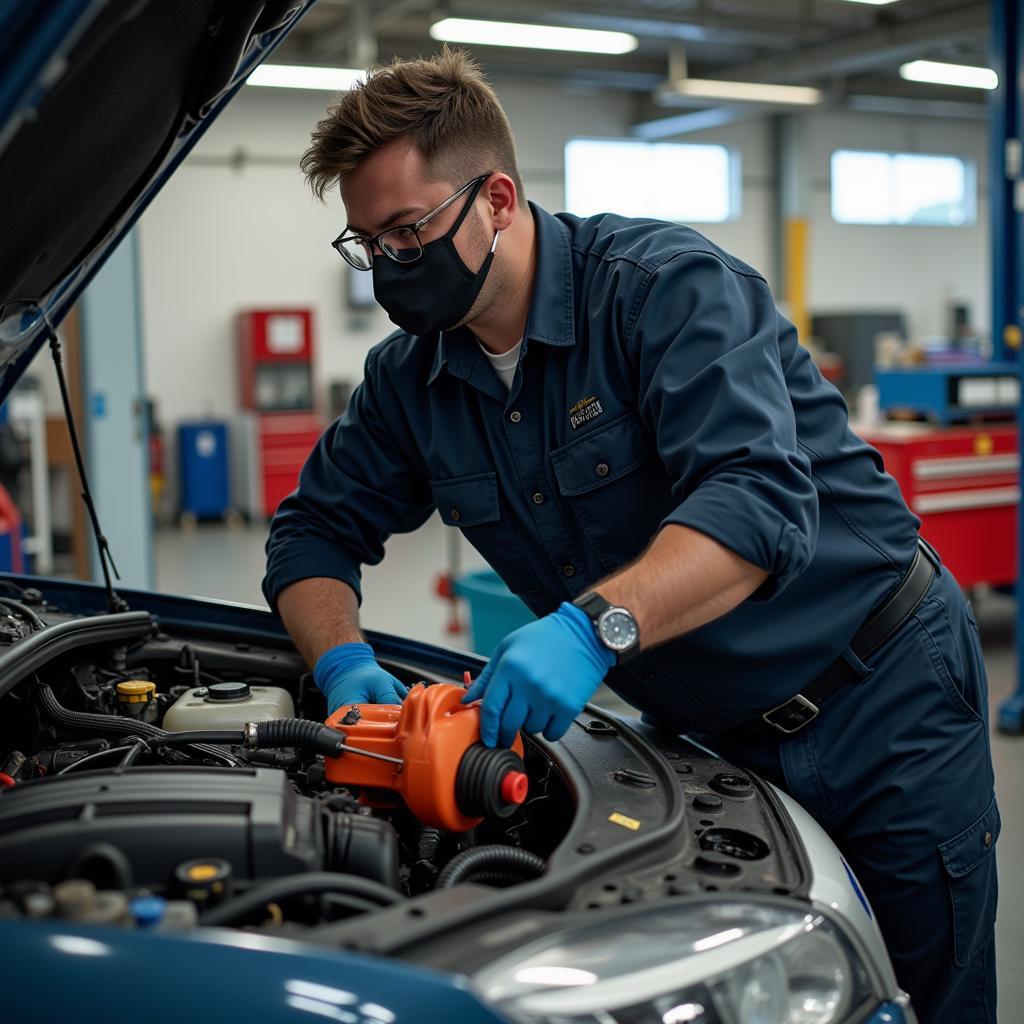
{"points": [[24, 611], [105, 865], [298, 885], [280, 732], [353, 903], [116, 725], [134, 753], [38, 649], [299, 732], [489, 861]]}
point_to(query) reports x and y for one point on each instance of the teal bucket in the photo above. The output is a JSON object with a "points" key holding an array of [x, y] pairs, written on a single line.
{"points": [[494, 611]]}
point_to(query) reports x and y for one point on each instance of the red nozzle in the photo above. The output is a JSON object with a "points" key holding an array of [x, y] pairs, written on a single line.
{"points": [[514, 787]]}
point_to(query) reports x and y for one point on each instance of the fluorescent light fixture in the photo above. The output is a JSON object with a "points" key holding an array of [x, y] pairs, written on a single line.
{"points": [[297, 76], [535, 37], [747, 92], [874, 3], [949, 74]]}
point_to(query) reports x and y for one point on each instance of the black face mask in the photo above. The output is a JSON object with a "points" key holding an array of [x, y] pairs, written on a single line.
{"points": [[436, 291]]}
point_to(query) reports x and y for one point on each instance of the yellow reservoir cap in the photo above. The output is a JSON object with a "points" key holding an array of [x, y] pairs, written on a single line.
{"points": [[202, 872], [136, 691]]}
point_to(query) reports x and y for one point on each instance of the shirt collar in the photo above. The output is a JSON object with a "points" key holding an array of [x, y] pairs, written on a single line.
{"points": [[550, 320]]}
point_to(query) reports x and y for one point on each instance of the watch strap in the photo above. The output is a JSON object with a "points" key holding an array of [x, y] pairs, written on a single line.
{"points": [[592, 604]]}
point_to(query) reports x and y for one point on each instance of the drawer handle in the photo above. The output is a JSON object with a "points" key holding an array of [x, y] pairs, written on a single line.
{"points": [[954, 501], [969, 465]]}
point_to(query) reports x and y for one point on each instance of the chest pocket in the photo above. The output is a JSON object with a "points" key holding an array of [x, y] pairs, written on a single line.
{"points": [[615, 487], [473, 505]]}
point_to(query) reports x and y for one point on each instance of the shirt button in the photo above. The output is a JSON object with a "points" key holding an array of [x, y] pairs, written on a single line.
{"points": [[601, 469], [568, 570], [455, 514], [515, 415], [538, 498], [988, 838]]}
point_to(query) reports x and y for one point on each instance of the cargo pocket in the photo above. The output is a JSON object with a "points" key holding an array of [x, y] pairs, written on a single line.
{"points": [[970, 864], [472, 503]]}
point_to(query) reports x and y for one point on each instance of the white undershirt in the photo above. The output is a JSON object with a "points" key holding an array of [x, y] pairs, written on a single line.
{"points": [[505, 364]]}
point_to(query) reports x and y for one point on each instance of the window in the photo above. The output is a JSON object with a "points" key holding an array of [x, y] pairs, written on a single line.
{"points": [[901, 188], [665, 180]]}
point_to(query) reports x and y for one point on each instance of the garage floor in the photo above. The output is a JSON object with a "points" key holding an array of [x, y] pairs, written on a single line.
{"points": [[216, 561]]}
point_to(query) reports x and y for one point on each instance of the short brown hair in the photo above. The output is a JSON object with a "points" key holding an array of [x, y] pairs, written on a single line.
{"points": [[442, 104]]}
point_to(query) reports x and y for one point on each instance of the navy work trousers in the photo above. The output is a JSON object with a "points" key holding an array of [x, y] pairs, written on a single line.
{"points": [[898, 770]]}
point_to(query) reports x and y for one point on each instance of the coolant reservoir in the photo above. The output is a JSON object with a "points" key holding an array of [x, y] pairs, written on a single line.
{"points": [[227, 706]]}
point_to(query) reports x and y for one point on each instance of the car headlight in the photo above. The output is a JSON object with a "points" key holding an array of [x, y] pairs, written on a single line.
{"points": [[701, 962]]}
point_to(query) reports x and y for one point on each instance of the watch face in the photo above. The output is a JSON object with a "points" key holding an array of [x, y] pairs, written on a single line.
{"points": [[618, 630]]}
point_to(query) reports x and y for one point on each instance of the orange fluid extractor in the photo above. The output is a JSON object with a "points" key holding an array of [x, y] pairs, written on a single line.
{"points": [[446, 776]]}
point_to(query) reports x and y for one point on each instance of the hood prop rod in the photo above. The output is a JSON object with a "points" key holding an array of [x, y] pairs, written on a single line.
{"points": [[115, 603]]}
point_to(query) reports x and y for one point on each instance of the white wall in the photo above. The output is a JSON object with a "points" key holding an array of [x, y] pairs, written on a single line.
{"points": [[219, 238], [916, 269]]}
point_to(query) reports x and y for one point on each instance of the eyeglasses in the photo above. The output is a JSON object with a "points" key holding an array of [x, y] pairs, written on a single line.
{"points": [[402, 244]]}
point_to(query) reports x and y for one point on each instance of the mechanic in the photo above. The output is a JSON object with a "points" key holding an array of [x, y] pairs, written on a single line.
{"points": [[617, 417]]}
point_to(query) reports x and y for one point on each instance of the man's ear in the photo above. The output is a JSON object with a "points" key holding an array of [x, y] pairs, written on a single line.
{"points": [[501, 196]]}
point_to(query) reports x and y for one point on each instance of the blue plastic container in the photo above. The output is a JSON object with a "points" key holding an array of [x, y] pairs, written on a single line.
{"points": [[205, 469], [494, 611]]}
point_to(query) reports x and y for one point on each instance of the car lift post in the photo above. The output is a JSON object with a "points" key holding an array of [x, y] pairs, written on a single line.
{"points": [[1006, 133]]}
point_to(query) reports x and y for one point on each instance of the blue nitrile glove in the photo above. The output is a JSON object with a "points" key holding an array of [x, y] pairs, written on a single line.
{"points": [[349, 674], [540, 676]]}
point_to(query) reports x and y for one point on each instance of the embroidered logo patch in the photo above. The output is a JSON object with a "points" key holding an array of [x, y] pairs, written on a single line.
{"points": [[585, 410]]}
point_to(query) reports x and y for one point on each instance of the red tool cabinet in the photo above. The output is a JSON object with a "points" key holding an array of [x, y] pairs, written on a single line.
{"points": [[274, 435], [964, 484]]}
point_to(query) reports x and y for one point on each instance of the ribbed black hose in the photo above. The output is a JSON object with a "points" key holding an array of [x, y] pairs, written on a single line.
{"points": [[118, 726], [299, 885], [490, 861], [299, 732], [280, 732]]}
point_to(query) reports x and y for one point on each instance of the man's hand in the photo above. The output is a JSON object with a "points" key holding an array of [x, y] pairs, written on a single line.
{"points": [[540, 677], [349, 674]]}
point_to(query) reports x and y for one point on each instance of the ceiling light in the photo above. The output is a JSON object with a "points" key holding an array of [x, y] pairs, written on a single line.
{"points": [[297, 76], [874, 3], [949, 74], [537, 37], [747, 92]]}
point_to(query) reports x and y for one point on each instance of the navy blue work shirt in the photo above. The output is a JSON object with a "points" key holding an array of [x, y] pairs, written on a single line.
{"points": [[657, 383]]}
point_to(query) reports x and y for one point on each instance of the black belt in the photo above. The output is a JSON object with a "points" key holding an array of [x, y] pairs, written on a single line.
{"points": [[794, 714]]}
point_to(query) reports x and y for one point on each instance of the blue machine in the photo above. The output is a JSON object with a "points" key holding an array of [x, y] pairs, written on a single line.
{"points": [[951, 393], [204, 469]]}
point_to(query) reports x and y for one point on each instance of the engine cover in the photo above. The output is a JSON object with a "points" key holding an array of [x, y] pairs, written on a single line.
{"points": [[162, 816]]}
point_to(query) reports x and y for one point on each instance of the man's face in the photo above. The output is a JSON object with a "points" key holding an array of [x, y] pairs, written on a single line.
{"points": [[393, 187]]}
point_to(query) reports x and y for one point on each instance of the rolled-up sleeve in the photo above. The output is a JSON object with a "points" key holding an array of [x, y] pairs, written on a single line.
{"points": [[360, 484], [713, 393]]}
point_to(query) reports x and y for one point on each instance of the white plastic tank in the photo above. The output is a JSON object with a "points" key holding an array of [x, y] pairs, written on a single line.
{"points": [[227, 706]]}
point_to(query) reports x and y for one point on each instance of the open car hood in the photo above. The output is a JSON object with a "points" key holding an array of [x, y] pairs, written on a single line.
{"points": [[100, 100]]}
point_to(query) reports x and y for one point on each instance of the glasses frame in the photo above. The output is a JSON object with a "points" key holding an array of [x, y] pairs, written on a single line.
{"points": [[372, 242]]}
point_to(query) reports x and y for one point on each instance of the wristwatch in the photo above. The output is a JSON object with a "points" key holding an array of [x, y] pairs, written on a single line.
{"points": [[616, 627]]}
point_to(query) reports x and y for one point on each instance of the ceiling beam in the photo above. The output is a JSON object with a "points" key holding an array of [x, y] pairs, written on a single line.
{"points": [[879, 47], [713, 117], [906, 107]]}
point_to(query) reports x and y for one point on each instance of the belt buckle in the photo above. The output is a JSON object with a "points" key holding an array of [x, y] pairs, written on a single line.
{"points": [[799, 707]]}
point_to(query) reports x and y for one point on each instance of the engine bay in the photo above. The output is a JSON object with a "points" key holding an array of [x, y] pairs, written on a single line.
{"points": [[159, 771], [105, 804]]}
